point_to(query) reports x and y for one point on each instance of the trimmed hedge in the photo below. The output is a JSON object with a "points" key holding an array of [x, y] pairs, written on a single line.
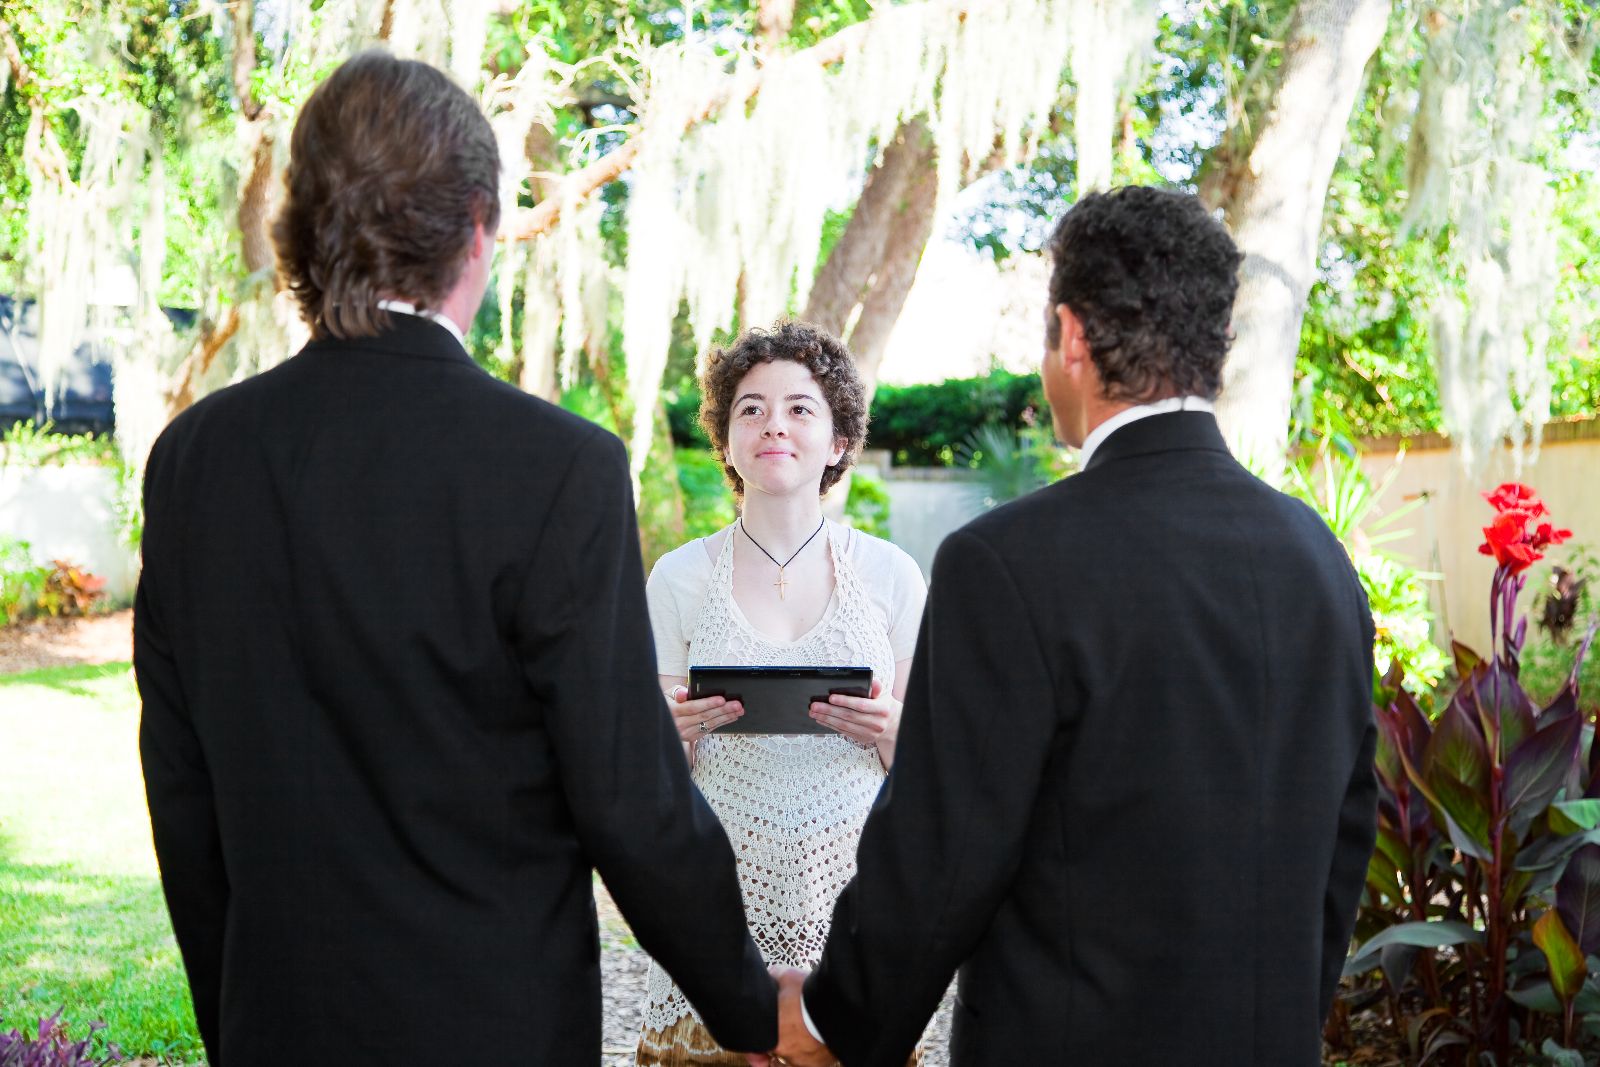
{"points": [[920, 424]]}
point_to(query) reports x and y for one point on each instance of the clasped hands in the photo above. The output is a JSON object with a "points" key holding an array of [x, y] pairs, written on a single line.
{"points": [[796, 1046]]}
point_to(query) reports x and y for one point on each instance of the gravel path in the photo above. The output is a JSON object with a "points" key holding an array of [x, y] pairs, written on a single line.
{"points": [[623, 967]]}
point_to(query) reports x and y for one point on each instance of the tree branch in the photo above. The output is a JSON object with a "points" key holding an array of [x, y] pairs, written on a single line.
{"points": [[583, 183], [244, 57], [21, 76], [199, 360]]}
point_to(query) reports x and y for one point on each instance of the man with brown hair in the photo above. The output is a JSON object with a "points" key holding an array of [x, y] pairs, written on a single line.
{"points": [[391, 638]]}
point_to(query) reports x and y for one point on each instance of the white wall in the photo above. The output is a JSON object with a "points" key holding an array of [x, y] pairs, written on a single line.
{"points": [[66, 513]]}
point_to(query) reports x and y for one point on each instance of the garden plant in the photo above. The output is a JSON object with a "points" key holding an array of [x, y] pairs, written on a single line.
{"points": [[54, 1047], [1480, 923]]}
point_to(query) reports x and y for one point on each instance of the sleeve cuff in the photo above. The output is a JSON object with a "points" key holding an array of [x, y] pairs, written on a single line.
{"points": [[811, 1027]]}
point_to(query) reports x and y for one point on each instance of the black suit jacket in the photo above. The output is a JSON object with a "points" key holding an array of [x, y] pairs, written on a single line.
{"points": [[400, 700], [1133, 796]]}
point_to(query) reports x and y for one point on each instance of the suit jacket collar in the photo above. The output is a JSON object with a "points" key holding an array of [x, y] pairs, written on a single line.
{"points": [[1174, 431], [409, 336]]}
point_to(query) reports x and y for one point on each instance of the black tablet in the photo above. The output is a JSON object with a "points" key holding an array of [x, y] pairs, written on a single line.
{"points": [[777, 700]]}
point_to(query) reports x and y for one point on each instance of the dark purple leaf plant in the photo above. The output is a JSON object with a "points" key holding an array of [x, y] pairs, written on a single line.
{"points": [[54, 1047], [1480, 922]]}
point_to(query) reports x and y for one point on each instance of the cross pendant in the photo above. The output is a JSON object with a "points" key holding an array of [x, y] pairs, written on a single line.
{"points": [[781, 584]]}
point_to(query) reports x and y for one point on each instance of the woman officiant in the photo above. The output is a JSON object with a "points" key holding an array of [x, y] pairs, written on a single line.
{"points": [[782, 586]]}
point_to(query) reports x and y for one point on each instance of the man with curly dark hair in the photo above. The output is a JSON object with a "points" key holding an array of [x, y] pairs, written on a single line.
{"points": [[393, 648], [1133, 797]]}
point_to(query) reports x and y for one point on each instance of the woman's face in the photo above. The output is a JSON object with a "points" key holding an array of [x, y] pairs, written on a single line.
{"points": [[780, 430]]}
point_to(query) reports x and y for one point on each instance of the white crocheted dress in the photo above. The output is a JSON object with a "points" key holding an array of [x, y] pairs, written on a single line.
{"points": [[793, 806]]}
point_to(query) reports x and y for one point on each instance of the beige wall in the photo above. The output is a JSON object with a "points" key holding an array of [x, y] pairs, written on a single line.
{"points": [[925, 503], [1446, 530]]}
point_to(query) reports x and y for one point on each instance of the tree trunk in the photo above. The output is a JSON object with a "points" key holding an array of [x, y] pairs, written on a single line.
{"points": [[254, 215], [910, 227], [255, 193], [256, 205], [1274, 205], [875, 259], [537, 375]]}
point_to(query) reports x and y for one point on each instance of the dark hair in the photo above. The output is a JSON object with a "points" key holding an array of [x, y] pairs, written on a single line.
{"points": [[1152, 276], [390, 165], [823, 355]]}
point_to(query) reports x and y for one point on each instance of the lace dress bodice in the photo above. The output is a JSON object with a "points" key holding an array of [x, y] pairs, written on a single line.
{"points": [[793, 807]]}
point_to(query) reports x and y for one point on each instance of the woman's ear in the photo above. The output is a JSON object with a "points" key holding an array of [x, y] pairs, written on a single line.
{"points": [[839, 447]]}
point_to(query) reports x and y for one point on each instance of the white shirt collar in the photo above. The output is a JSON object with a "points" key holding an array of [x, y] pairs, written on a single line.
{"points": [[1098, 435], [408, 308]]}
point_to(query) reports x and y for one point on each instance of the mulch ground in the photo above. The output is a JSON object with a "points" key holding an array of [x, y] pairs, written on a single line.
{"points": [[624, 967], [41, 643]]}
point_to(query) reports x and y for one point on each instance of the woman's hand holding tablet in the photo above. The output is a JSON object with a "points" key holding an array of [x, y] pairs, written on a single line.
{"points": [[778, 700]]}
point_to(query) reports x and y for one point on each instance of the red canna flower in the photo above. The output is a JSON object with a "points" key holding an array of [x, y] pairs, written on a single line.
{"points": [[1506, 539], [1547, 535], [1516, 496]]}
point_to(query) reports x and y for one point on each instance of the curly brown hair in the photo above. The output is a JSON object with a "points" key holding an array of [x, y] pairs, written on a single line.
{"points": [[390, 166], [829, 362], [1152, 277]]}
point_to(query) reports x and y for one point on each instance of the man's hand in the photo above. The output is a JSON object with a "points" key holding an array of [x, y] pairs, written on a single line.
{"points": [[796, 1046]]}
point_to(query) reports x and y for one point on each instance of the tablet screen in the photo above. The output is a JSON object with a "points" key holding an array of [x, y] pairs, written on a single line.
{"points": [[777, 700]]}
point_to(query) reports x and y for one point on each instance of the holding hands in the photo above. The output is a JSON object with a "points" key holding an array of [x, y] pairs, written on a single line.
{"points": [[796, 1046]]}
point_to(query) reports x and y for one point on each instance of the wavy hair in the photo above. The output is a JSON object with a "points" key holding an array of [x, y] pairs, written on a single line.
{"points": [[390, 167]]}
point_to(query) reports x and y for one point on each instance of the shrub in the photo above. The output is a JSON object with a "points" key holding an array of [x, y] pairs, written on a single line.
{"points": [[707, 500], [127, 506], [70, 590], [922, 425], [29, 445], [22, 581], [28, 589], [1483, 895], [1550, 657], [54, 1047], [1333, 482], [867, 506], [1014, 464]]}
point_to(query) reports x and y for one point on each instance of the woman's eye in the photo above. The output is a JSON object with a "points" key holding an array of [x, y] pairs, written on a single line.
{"points": [[749, 409], [801, 409]]}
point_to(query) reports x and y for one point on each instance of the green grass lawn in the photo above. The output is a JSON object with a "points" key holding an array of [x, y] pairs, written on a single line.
{"points": [[82, 923]]}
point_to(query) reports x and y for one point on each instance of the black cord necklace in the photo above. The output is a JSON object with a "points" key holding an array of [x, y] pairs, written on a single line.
{"points": [[781, 583]]}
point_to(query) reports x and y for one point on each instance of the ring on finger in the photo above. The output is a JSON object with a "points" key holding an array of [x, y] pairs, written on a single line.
{"points": [[703, 726]]}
